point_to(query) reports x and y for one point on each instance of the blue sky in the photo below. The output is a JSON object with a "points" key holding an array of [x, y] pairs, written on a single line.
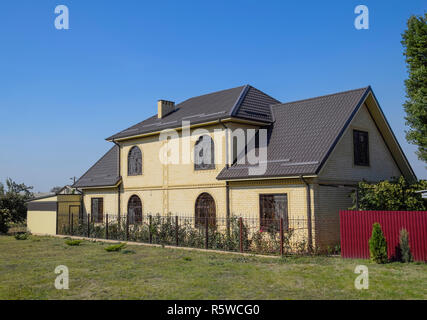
{"points": [[62, 92]]}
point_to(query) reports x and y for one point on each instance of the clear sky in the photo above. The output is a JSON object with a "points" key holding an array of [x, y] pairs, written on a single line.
{"points": [[62, 92]]}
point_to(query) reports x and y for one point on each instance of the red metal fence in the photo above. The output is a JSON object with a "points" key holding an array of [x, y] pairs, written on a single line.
{"points": [[356, 229]]}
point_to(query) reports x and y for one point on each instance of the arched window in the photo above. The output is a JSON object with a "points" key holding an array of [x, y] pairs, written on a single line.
{"points": [[134, 210], [134, 162], [205, 208], [204, 153]]}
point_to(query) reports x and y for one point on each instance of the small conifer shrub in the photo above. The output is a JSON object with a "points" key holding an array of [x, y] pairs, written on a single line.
{"points": [[378, 245]]}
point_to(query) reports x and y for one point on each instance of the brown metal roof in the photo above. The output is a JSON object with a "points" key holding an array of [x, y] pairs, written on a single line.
{"points": [[105, 172], [241, 102], [303, 134]]}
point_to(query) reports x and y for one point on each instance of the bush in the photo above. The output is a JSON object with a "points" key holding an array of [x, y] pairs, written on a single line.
{"points": [[5, 219], [21, 236], [405, 250], [73, 242], [115, 247], [378, 245], [396, 194]]}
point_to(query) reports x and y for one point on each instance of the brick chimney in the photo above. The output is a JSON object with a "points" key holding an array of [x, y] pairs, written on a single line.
{"points": [[164, 107]]}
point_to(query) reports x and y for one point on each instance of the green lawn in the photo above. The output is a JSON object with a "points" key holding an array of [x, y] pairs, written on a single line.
{"points": [[27, 272]]}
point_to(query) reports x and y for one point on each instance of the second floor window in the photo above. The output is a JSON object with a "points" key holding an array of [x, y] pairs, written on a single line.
{"points": [[204, 153], [361, 148], [134, 162]]}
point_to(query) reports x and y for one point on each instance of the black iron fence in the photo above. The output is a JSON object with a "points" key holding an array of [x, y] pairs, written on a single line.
{"points": [[253, 235]]}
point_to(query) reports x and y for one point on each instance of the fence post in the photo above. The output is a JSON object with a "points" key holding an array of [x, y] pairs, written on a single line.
{"points": [[151, 235], [176, 230], [88, 225], [127, 227], [72, 223], [106, 226], [206, 232], [241, 233], [69, 222], [281, 236]]}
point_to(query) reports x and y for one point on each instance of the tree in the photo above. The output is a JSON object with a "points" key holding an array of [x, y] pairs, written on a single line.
{"points": [[415, 52], [55, 189], [378, 245], [13, 207], [394, 194], [405, 250]]}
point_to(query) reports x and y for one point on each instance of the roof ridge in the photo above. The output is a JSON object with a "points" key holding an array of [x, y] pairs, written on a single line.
{"points": [[210, 93], [323, 96], [239, 100]]}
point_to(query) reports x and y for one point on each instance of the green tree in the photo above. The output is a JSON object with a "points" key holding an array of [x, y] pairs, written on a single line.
{"points": [[405, 250], [13, 207], [378, 245], [394, 194], [415, 52]]}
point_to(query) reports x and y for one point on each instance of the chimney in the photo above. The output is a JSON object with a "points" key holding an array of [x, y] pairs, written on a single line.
{"points": [[164, 107]]}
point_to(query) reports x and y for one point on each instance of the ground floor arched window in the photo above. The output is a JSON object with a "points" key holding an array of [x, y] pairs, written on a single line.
{"points": [[205, 210], [134, 210]]}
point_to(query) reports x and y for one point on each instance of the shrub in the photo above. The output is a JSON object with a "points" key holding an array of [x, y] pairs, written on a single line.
{"points": [[21, 236], [405, 250], [378, 245], [394, 194], [115, 247], [5, 219], [73, 242]]}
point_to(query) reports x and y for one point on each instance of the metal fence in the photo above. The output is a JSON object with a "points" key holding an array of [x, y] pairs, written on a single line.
{"points": [[356, 229], [252, 235]]}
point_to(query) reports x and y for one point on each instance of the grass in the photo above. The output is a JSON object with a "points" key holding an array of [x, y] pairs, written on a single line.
{"points": [[27, 272]]}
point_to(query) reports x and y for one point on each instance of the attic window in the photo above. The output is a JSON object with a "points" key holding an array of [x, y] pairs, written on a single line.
{"points": [[361, 148]]}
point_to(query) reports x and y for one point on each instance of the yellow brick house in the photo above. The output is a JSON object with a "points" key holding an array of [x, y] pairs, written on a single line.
{"points": [[317, 150]]}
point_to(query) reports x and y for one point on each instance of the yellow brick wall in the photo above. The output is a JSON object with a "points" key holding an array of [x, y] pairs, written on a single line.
{"points": [[340, 164], [244, 197], [327, 203], [41, 222], [109, 195], [156, 175]]}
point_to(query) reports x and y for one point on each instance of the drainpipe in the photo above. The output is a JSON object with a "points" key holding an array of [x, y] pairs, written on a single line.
{"points": [[227, 185], [309, 227], [118, 187]]}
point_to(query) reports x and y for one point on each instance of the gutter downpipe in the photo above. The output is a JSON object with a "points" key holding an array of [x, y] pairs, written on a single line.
{"points": [[309, 227], [118, 187], [227, 185]]}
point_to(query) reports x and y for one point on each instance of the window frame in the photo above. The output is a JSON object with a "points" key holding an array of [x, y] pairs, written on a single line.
{"points": [[136, 219], [200, 222], [357, 148], [99, 217], [272, 226], [138, 172], [203, 166]]}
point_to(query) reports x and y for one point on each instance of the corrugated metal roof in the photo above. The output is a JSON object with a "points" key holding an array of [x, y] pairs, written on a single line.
{"points": [[244, 101], [302, 135], [105, 172]]}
